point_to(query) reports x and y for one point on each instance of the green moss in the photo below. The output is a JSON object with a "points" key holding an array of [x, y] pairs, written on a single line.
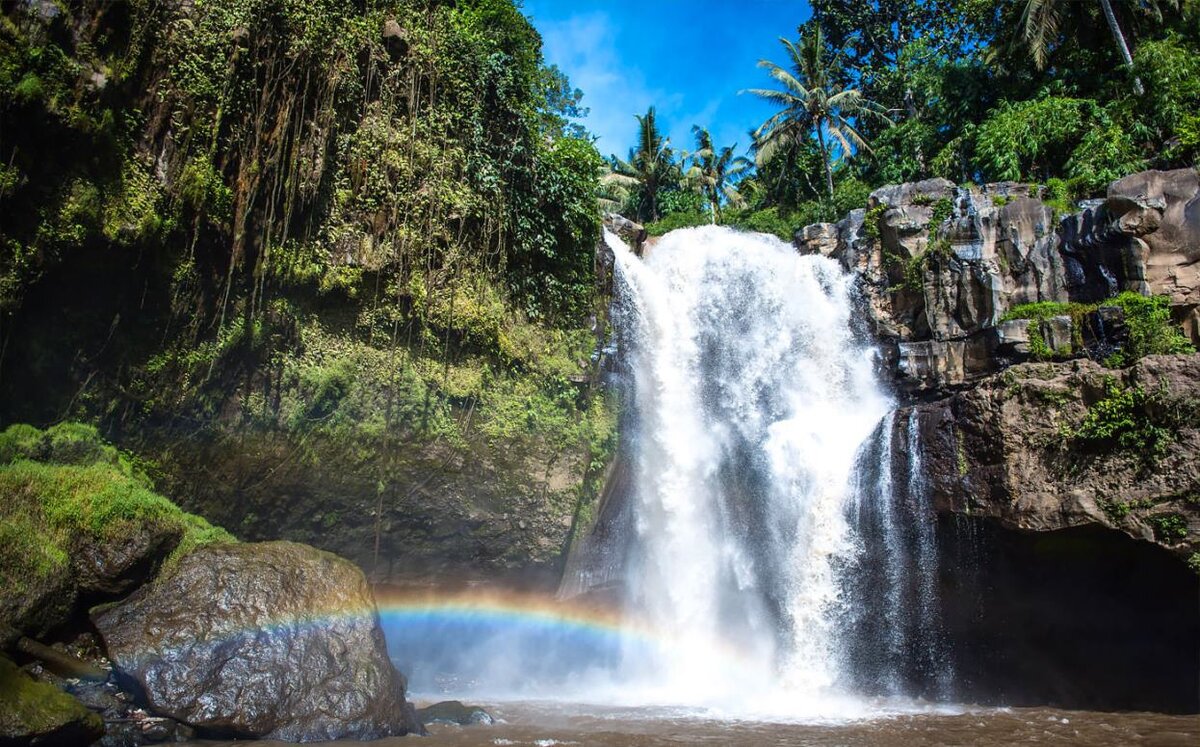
{"points": [[30, 707], [1193, 562], [80, 488]]}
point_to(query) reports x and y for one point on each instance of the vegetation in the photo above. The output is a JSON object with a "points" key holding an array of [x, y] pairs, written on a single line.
{"points": [[1147, 319], [363, 226], [812, 104], [35, 707], [1068, 94], [64, 486], [1134, 421]]}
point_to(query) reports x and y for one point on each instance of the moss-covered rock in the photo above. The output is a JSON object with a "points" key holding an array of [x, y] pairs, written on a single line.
{"points": [[79, 527], [36, 713]]}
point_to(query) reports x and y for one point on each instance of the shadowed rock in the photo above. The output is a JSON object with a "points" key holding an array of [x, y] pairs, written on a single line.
{"points": [[36, 713], [275, 640]]}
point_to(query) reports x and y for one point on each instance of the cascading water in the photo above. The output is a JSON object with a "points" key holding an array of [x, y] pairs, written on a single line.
{"points": [[773, 539], [752, 397]]}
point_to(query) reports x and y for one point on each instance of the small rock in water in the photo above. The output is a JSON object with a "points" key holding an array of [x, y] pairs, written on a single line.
{"points": [[454, 712]]}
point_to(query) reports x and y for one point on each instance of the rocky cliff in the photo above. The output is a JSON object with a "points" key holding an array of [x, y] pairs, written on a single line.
{"points": [[943, 267]]}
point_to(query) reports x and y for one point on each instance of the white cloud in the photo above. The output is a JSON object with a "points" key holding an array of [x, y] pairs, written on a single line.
{"points": [[585, 48]]}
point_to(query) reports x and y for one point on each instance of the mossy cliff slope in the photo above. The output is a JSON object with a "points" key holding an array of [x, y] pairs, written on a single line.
{"points": [[328, 266]]}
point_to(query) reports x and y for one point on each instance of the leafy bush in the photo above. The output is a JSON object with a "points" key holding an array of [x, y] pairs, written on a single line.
{"points": [[672, 221], [1020, 139], [1121, 419], [1106, 153], [1151, 329], [1170, 529]]}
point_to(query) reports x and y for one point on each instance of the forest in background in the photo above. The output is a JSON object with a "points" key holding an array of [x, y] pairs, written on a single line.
{"points": [[975, 91]]}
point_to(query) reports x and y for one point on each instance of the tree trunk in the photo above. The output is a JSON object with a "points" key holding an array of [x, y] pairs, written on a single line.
{"points": [[1111, 17], [825, 157]]}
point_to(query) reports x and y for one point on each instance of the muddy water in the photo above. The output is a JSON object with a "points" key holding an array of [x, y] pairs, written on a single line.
{"points": [[550, 725]]}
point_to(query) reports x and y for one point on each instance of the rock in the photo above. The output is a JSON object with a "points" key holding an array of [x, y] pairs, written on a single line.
{"points": [[454, 712], [1057, 331], [819, 238], [1161, 209], [1003, 450], [395, 39], [271, 640], [633, 234], [37, 713]]}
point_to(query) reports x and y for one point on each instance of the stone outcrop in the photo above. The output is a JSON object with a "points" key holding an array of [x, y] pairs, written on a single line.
{"points": [[941, 264], [1009, 449], [274, 640]]}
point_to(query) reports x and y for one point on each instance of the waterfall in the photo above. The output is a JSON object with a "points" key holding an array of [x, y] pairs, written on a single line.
{"points": [[897, 645], [752, 398]]}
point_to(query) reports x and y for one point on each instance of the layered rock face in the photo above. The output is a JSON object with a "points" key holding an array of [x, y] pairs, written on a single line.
{"points": [[274, 640], [941, 264], [1016, 448]]}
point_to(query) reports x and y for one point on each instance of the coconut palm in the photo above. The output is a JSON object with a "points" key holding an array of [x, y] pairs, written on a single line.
{"points": [[650, 166], [712, 172], [1042, 19], [812, 103]]}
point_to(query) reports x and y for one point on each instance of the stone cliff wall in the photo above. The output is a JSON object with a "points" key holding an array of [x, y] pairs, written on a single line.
{"points": [[941, 264]]}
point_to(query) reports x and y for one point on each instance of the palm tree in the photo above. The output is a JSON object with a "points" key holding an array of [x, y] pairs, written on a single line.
{"points": [[812, 103], [712, 171], [650, 166], [1042, 18]]}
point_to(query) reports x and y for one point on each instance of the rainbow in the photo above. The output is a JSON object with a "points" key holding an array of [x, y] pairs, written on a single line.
{"points": [[511, 608]]}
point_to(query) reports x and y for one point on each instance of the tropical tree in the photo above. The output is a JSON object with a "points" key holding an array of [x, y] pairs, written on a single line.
{"points": [[713, 172], [813, 104], [1043, 17], [649, 167]]}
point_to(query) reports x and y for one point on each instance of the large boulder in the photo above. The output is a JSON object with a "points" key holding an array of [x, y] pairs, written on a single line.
{"points": [[38, 713], [270, 640]]}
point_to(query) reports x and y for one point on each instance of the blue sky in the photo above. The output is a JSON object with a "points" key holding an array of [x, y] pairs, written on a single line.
{"points": [[688, 58]]}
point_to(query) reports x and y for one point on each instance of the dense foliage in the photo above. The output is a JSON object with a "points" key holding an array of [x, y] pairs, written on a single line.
{"points": [[974, 91], [359, 232]]}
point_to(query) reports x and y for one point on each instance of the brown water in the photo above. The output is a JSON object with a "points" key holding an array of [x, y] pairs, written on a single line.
{"points": [[556, 724]]}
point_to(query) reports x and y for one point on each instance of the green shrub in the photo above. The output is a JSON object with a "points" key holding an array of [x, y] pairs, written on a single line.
{"points": [[1121, 419], [1169, 529], [1151, 329], [673, 221]]}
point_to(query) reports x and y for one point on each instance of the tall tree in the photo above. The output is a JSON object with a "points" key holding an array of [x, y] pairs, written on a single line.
{"points": [[1043, 18], [813, 104], [713, 171], [649, 167]]}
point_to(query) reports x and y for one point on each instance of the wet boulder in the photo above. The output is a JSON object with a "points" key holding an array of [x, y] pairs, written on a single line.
{"points": [[268, 640], [454, 712]]}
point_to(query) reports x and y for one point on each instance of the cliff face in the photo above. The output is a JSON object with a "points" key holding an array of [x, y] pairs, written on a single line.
{"points": [[967, 287], [942, 265], [326, 266]]}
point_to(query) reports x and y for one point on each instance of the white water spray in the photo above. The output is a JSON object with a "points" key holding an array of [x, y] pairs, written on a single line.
{"points": [[752, 399]]}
